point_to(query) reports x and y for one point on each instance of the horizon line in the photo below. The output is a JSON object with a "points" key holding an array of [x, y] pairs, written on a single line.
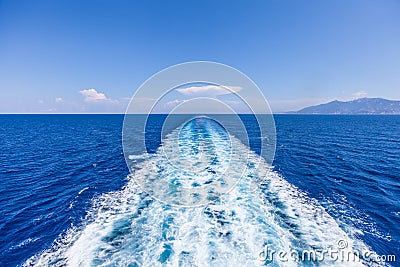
{"points": [[273, 113]]}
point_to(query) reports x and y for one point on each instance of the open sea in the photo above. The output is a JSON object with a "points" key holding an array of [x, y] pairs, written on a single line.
{"points": [[67, 197]]}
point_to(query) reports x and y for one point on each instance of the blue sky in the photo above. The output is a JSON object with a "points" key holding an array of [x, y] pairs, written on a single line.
{"points": [[90, 56]]}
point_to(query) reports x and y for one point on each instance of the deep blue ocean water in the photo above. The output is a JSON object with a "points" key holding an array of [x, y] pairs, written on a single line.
{"points": [[55, 168]]}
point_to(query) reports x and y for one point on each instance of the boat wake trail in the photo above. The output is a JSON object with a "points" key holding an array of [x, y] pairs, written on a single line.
{"points": [[131, 228]]}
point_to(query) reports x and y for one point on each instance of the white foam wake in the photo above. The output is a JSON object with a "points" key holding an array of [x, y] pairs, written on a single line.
{"points": [[130, 228]]}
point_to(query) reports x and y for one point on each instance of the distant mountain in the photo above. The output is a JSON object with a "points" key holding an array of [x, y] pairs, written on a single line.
{"points": [[358, 106]]}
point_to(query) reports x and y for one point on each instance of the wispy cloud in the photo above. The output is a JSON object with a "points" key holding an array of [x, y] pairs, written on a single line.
{"points": [[359, 94], [59, 100], [209, 90], [285, 105], [91, 96], [173, 103]]}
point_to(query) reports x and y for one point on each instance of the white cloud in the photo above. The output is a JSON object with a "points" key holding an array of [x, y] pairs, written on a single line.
{"points": [[91, 95], [59, 100], [173, 103], [209, 90], [359, 94], [40, 101]]}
